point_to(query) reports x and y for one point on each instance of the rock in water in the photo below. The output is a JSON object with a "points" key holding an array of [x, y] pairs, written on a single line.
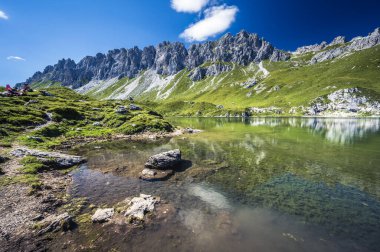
{"points": [[103, 215], [164, 160], [55, 223], [139, 206], [155, 175]]}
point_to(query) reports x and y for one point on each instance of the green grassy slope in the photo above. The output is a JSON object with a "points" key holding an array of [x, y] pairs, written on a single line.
{"points": [[298, 81], [73, 116]]}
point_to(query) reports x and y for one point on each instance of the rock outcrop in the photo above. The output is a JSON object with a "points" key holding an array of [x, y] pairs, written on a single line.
{"points": [[344, 102], [340, 40], [311, 48], [165, 59], [356, 44], [103, 215], [200, 73], [61, 160]]}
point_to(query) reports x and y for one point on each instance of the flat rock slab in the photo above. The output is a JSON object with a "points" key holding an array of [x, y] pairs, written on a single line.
{"points": [[103, 215], [165, 160], [63, 160], [155, 175], [139, 206]]}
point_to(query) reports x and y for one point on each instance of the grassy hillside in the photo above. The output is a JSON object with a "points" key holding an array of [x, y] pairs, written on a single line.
{"points": [[292, 83], [71, 116], [289, 84]]}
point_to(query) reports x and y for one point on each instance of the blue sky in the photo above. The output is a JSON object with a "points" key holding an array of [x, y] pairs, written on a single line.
{"points": [[34, 34]]}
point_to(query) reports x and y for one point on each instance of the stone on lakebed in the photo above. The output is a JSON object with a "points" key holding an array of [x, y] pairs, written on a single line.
{"points": [[155, 175], [103, 215]]}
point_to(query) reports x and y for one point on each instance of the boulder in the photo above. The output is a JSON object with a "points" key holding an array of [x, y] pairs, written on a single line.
{"points": [[139, 206], [97, 124], [134, 107], [103, 215], [165, 160], [121, 110]]}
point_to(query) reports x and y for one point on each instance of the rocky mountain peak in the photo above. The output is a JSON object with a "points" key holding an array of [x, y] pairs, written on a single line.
{"points": [[340, 40], [167, 58]]}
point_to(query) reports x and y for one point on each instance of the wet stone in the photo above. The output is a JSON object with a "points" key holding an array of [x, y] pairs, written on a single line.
{"points": [[62, 222], [103, 215], [139, 206], [155, 175], [165, 160]]}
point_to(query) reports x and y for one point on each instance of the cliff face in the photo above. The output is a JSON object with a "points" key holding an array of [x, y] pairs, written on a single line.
{"points": [[166, 59]]}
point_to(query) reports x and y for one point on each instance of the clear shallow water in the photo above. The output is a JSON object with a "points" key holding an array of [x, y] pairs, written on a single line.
{"points": [[262, 184]]}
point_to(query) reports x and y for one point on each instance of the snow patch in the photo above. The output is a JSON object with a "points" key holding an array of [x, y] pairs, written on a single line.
{"points": [[262, 69]]}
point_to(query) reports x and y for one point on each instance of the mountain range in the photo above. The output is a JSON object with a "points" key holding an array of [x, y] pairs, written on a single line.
{"points": [[230, 76]]}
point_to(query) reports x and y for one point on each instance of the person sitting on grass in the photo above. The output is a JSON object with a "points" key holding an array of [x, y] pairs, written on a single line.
{"points": [[11, 91]]}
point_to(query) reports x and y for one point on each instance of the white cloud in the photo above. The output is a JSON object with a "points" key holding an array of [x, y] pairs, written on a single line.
{"points": [[15, 58], [189, 5], [3, 15], [217, 20]]}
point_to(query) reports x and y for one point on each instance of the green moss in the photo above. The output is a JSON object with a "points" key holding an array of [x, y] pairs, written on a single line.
{"points": [[145, 122], [32, 165], [68, 113]]}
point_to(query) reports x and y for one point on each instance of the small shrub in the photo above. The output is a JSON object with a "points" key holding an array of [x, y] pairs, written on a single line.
{"points": [[68, 113], [50, 131]]}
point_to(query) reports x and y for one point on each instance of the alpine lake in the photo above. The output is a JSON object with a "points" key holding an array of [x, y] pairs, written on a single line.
{"points": [[256, 184]]}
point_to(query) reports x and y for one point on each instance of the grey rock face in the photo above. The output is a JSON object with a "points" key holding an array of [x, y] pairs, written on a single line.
{"points": [[200, 73], [340, 40], [278, 55], [164, 160], [311, 48], [170, 58], [166, 59], [217, 69], [357, 44]]}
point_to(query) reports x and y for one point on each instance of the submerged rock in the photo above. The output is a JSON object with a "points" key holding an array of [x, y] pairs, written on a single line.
{"points": [[164, 160], [155, 175], [139, 206], [103, 215], [55, 223]]}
